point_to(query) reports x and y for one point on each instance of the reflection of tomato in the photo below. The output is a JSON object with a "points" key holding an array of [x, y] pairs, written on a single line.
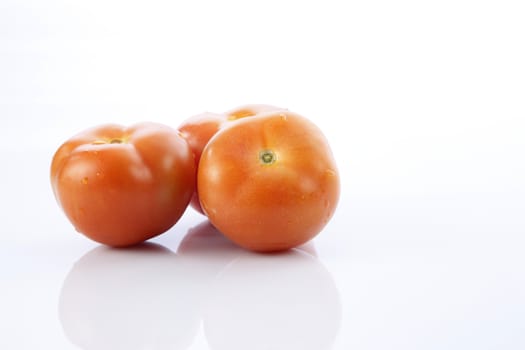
{"points": [[121, 186], [203, 253], [269, 183], [137, 298], [199, 129], [287, 302]]}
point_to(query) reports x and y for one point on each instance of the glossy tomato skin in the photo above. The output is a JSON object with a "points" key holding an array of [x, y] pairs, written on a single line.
{"points": [[123, 185], [200, 128], [269, 183], [197, 131], [250, 110]]}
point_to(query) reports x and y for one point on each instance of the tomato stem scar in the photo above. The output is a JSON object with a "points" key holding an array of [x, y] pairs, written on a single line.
{"points": [[267, 157], [110, 141]]}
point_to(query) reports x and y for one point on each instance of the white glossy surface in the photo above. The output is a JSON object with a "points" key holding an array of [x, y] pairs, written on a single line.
{"points": [[422, 103]]}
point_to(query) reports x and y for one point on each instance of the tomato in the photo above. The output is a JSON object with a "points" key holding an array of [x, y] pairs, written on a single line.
{"points": [[123, 185], [199, 129], [250, 110], [269, 183]]}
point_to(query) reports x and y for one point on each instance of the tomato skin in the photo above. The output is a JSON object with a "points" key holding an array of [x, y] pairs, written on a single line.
{"points": [[200, 128], [123, 185], [269, 183], [197, 131], [251, 110]]}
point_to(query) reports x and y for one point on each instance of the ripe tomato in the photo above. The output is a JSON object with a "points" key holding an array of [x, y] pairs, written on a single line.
{"points": [[199, 129], [250, 110], [123, 185], [269, 183]]}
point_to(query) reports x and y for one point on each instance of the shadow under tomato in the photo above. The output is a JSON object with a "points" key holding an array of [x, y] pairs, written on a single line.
{"points": [[206, 239]]}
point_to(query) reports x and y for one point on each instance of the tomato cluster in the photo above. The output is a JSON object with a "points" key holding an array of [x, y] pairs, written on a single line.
{"points": [[264, 176]]}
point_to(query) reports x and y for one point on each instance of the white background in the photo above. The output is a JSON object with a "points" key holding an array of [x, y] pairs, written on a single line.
{"points": [[423, 103]]}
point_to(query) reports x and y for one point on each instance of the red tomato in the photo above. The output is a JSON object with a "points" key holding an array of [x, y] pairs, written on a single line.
{"points": [[120, 186], [269, 183], [199, 129], [250, 110]]}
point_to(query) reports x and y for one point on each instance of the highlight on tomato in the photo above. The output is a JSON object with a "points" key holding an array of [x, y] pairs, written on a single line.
{"points": [[123, 185], [269, 183], [200, 128]]}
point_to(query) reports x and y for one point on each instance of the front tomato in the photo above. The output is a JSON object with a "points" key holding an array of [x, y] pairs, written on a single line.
{"points": [[123, 185], [269, 183]]}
